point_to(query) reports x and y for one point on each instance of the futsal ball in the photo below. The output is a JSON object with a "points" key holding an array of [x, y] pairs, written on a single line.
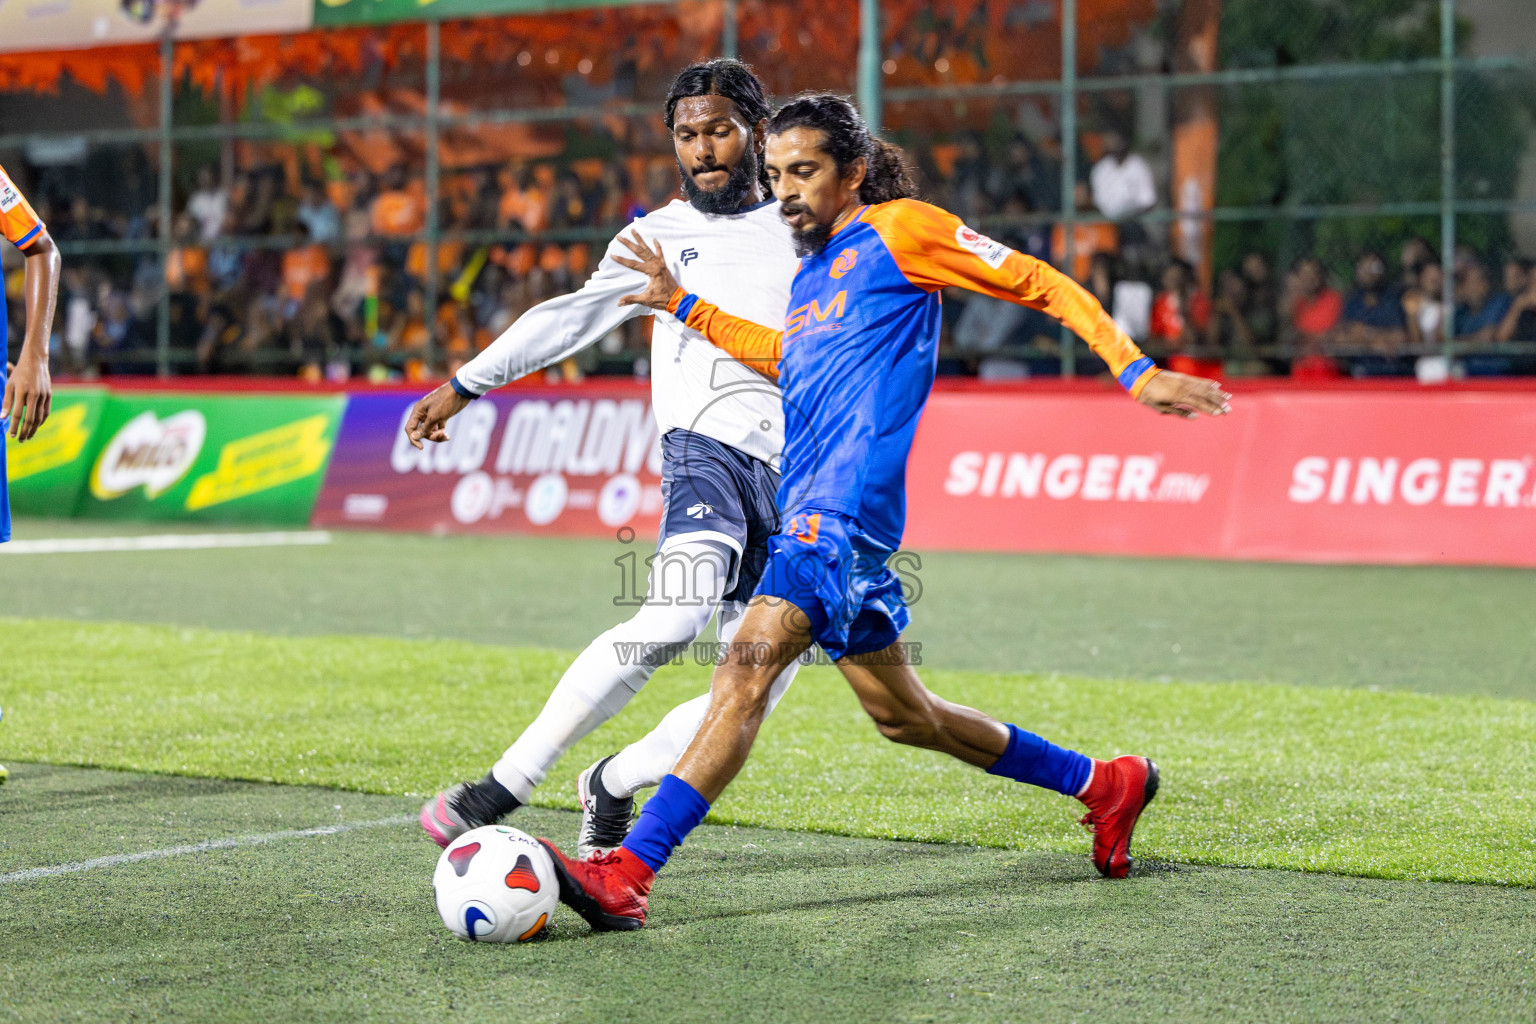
{"points": [[495, 884]]}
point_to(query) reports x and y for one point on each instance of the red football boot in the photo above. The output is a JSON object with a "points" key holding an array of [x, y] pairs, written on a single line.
{"points": [[609, 890], [1119, 791]]}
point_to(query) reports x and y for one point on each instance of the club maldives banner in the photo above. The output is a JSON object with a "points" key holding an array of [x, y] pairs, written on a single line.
{"points": [[556, 461], [1393, 477], [222, 458], [47, 472]]}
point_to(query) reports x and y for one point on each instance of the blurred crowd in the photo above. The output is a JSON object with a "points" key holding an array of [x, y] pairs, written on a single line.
{"points": [[1387, 317], [272, 270], [331, 278]]}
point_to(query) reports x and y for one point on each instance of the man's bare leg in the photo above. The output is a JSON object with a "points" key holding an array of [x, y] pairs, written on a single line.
{"points": [[773, 633], [612, 893], [906, 711]]}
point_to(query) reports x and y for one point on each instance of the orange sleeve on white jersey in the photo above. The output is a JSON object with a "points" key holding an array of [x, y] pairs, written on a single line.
{"points": [[750, 343], [18, 220], [934, 249]]}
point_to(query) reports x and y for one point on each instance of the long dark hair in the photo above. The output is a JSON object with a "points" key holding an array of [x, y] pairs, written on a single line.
{"points": [[846, 138], [725, 77]]}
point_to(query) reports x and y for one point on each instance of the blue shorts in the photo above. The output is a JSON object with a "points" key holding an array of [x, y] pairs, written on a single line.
{"points": [[823, 564], [711, 491]]}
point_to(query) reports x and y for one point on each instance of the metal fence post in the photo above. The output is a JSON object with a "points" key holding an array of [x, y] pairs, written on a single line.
{"points": [[434, 101], [1448, 174], [729, 44], [163, 306], [1068, 166], [869, 64]]}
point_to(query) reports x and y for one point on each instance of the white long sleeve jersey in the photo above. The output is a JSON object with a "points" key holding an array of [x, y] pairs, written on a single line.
{"points": [[741, 262]]}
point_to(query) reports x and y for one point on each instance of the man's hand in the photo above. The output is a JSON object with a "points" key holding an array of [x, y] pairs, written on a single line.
{"points": [[29, 395], [659, 289], [429, 419], [1179, 394]]}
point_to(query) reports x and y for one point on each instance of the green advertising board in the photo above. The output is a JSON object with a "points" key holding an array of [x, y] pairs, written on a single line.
{"points": [[47, 472], [226, 458], [329, 13]]}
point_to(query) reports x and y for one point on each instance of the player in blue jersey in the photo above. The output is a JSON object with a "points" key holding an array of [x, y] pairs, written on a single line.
{"points": [[28, 393], [856, 360]]}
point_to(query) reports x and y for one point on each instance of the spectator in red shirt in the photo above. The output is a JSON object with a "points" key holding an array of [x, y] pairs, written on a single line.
{"points": [[1315, 307], [1181, 313]]}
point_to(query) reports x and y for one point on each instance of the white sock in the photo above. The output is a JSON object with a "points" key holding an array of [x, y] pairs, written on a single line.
{"points": [[645, 762], [617, 664]]}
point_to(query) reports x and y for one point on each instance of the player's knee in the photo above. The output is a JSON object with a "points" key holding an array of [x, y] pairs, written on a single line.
{"points": [[912, 726], [744, 686]]}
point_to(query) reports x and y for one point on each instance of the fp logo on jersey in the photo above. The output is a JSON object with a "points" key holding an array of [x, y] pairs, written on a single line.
{"points": [[689, 255], [700, 510]]}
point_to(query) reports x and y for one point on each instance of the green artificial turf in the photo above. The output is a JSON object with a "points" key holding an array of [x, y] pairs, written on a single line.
{"points": [[1430, 629], [1392, 785], [753, 923], [749, 925]]}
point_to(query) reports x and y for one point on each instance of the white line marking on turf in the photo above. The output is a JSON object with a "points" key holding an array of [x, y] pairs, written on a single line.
{"points": [[31, 874], [165, 542]]}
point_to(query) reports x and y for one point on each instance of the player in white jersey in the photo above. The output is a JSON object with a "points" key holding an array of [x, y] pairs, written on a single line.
{"points": [[722, 427]]}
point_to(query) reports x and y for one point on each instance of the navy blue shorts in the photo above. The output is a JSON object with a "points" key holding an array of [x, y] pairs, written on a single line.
{"points": [[823, 564], [711, 491]]}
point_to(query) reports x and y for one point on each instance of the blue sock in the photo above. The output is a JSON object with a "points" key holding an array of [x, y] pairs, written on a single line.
{"points": [[1034, 760], [665, 820]]}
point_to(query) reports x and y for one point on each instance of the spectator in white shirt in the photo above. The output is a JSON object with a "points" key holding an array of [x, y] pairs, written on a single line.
{"points": [[1122, 181], [209, 205], [319, 215]]}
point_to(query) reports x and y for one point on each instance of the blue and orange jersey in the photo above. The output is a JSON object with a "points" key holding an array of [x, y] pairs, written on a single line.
{"points": [[857, 355]]}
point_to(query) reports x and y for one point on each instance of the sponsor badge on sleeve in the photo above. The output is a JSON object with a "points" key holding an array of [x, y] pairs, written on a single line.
{"points": [[989, 252], [9, 197]]}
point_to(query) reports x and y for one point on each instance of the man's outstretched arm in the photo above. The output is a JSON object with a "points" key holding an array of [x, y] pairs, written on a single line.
{"points": [[28, 388], [541, 337], [935, 249]]}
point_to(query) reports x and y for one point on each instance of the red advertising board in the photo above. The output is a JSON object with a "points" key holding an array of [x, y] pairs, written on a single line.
{"points": [[1446, 478], [559, 461], [1387, 475], [1083, 472], [1339, 476]]}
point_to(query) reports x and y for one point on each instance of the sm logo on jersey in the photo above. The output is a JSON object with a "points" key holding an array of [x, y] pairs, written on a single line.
{"points": [[801, 316], [844, 262]]}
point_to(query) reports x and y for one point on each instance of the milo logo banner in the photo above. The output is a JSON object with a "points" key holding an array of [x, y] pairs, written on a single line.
{"points": [[551, 460], [244, 458], [47, 472]]}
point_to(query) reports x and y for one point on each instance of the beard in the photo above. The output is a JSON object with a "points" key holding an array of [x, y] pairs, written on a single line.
{"points": [[728, 198], [812, 240], [808, 241]]}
